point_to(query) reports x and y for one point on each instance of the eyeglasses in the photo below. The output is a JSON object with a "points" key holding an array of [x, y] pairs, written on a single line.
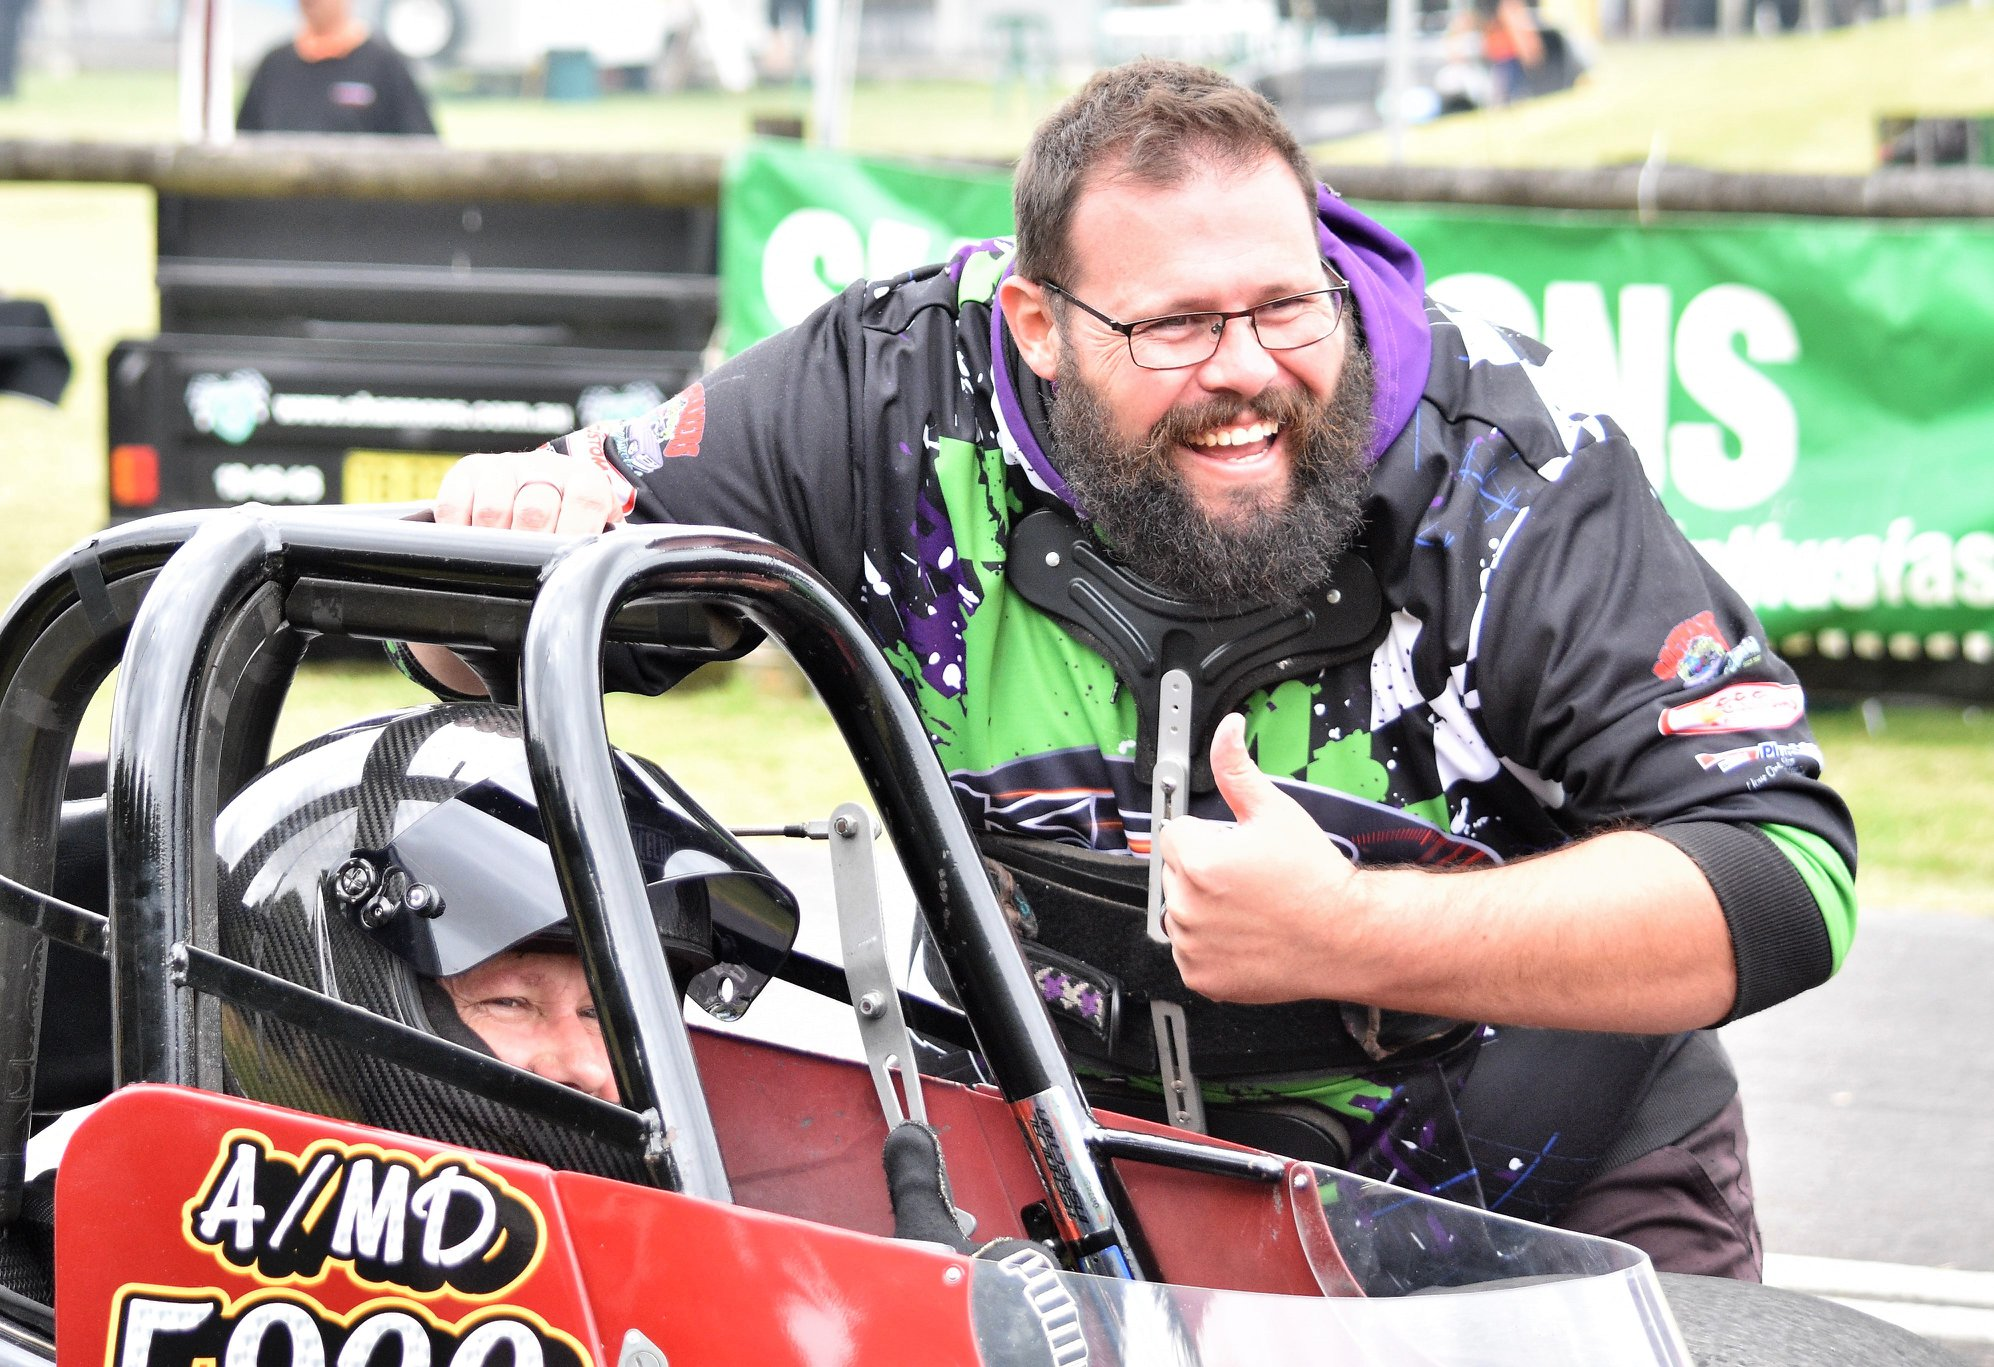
{"points": [[1174, 340]]}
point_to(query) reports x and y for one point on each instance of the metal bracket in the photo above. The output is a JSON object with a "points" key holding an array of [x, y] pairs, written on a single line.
{"points": [[639, 1351], [1172, 781], [862, 931], [1185, 1102]]}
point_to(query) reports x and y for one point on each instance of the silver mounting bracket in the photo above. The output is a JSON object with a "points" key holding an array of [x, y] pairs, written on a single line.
{"points": [[862, 931], [1170, 786], [1181, 1097]]}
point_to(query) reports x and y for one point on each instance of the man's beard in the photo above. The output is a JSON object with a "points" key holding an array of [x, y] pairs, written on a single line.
{"points": [[1256, 544]]}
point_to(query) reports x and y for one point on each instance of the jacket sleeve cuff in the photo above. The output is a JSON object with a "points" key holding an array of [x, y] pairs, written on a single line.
{"points": [[1778, 938]]}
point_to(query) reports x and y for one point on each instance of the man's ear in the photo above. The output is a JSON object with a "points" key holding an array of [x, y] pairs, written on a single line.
{"points": [[1028, 312]]}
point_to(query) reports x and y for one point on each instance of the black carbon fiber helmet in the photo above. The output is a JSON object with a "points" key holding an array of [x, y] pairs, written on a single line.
{"points": [[390, 852]]}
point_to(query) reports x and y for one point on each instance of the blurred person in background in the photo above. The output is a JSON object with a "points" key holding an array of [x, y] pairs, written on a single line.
{"points": [[1511, 45], [334, 77], [13, 17]]}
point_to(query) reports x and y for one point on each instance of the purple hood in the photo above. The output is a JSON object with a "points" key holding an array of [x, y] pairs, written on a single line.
{"points": [[1389, 285]]}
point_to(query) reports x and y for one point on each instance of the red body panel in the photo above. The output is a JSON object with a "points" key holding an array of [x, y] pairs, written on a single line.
{"points": [[201, 1220]]}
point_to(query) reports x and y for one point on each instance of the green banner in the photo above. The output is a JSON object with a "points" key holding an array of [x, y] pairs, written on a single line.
{"points": [[1811, 397], [798, 224]]}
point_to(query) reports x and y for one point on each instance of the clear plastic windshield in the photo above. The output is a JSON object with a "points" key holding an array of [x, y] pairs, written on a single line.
{"points": [[1412, 1282]]}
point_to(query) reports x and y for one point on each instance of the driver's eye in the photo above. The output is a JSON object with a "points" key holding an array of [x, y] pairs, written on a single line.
{"points": [[1281, 309]]}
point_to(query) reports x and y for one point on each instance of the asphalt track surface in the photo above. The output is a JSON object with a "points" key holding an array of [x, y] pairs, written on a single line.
{"points": [[1870, 1107], [1870, 1100]]}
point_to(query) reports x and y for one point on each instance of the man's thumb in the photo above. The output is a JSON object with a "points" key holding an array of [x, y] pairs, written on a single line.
{"points": [[1245, 789]]}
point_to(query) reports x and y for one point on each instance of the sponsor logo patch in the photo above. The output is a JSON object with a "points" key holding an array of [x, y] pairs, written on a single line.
{"points": [[1787, 753], [231, 406], [1697, 653], [1741, 707], [682, 423]]}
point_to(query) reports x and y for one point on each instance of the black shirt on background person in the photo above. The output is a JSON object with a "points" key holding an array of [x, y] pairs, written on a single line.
{"points": [[333, 78]]}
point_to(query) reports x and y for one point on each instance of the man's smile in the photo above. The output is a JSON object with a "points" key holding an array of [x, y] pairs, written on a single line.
{"points": [[1236, 441]]}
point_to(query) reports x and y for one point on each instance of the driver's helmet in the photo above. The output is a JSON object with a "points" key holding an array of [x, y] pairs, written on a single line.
{"points": [[391, 852]]}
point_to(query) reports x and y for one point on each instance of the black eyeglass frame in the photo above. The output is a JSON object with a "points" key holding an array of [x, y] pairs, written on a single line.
{"points": [[1128, 330]]}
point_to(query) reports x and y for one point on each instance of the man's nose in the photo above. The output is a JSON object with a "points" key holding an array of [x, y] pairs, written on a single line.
{"points": [[570, 1051], [1239, 364]]}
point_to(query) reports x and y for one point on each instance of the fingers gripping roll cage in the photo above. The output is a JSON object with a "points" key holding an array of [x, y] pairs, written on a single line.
{"points": [[213, 611]]}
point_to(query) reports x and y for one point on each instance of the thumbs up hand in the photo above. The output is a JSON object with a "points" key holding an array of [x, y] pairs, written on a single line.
{"points": [[1250, 908]]}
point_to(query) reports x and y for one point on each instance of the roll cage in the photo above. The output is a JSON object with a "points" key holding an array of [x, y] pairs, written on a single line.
{"points": [[210, 614]]}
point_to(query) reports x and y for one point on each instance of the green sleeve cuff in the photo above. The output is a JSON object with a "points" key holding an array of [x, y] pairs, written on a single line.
{"points": [[1828, 877]]}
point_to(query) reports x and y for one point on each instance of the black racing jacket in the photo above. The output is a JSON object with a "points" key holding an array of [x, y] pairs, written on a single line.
{"points": [[1558, 660]]}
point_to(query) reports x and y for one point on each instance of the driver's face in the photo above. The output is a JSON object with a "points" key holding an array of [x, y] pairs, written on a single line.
{"points": [[535, 1011]]}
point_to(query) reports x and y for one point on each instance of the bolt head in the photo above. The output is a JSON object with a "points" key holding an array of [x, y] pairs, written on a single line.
{"points": [[423, 900], [354, 879]]}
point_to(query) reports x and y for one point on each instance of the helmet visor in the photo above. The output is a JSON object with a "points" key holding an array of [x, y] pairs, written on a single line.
{"points": [[473, 877]]}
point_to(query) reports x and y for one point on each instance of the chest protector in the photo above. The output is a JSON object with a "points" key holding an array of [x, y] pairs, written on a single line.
{"points": [[1087, 908]]}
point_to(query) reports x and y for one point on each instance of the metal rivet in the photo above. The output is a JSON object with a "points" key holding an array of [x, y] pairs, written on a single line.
{"points": [[1333, 597], [952, 1275], [1052, 558], [1302, 1180]]}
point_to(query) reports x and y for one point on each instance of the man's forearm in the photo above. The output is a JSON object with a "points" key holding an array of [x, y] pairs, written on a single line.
{"points": [[1620, 932]]}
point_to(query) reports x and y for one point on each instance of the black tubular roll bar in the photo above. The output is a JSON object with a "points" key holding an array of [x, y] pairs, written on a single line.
{"points": [[214, 651]]}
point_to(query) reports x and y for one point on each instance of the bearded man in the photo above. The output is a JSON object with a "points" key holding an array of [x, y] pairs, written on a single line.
{"points": [[1486, 881]]}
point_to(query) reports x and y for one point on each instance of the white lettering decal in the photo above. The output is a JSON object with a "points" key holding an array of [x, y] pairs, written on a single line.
{"points": [[144, 1317], [233, 1202], [360, 1350], [245, 1342], [1489, 297], [432, 1206], [892, 247], [1928, 569], [1973, 554], [523, 1345], [367, 1227], [1737, 395], [236, 482], [363, 409], [810, 255], [1628, 373]]}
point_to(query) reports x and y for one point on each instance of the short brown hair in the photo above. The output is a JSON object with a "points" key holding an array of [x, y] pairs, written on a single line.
{"points": [[1154, 123]]}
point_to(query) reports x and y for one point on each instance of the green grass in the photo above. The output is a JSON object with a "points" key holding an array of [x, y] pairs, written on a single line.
{"points": [[1921, 789], [931, 118], [750, 741], [1796, 103], [756, 751]]}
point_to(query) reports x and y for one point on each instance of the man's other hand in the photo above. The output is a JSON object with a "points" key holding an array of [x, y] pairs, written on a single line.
{"points": [[1247, 905], [528, 491]]}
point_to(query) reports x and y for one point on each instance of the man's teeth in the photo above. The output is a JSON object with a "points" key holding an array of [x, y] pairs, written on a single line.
{"points": [[1237, 436]]}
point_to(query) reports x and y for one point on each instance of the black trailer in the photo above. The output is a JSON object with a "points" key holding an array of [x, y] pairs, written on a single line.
{"points": [[348, 348]]}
